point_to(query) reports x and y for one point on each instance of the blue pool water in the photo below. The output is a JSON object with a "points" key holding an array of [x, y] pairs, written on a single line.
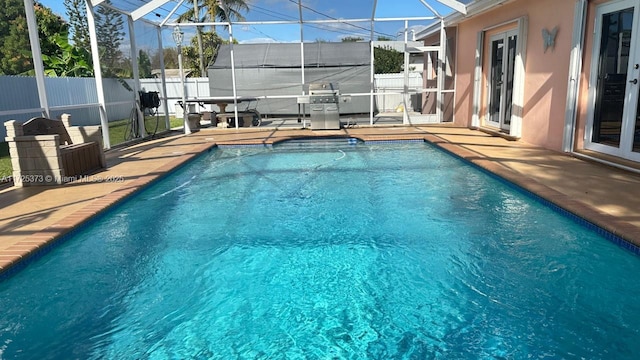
{"points": [[326, 251]]}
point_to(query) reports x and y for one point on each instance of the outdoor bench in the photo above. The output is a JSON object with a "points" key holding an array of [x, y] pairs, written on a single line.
{"points": [[51, 152]]}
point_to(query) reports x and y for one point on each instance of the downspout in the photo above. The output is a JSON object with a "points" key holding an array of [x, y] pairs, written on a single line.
{"points": [[575, 68]]}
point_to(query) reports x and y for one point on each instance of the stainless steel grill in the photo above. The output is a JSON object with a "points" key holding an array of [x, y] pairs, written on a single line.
{"points": [[324, 110]]}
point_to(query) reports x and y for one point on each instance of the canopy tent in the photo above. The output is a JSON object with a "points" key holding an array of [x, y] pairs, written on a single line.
{"points": [[360, 17]]}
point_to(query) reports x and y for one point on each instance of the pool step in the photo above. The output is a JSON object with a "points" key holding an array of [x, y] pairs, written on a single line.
{"points": [[319, 143]]}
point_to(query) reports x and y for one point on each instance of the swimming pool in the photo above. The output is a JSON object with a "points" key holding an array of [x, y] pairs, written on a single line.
{"points": [[330, 250]]}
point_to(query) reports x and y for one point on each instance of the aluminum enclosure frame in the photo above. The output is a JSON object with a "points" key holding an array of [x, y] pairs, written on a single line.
{"points": [[139, 13]]}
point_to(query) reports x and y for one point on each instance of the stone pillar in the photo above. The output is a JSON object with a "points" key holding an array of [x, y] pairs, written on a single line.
{"points": [[66, 120], [35, 160], [38, 161], [14, 129]]}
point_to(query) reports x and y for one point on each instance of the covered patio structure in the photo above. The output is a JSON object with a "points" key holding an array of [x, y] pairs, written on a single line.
{"points": [[158, 20]]}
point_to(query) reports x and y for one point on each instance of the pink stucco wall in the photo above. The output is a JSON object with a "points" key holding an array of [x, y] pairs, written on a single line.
{"points": [[546, 74]]}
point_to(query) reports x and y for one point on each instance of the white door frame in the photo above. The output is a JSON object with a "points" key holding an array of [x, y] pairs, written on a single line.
{"points": [[504, 36], [631, 90], [515, 129]]}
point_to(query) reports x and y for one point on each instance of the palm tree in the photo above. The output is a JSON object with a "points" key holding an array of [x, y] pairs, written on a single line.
{"points": [[214, 10]]}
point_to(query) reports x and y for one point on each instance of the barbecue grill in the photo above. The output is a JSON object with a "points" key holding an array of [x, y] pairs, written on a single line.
{"points": [[323, 103]]}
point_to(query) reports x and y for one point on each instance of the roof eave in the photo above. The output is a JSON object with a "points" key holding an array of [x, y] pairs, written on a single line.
{"points": [[473, 9]]}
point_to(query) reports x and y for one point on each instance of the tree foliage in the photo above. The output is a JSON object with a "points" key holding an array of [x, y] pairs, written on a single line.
{"points": [[352, 39], [110, 33], [144, 64], [78, 25], [210, 44], [15, 53], [170, 57], [15, 47], [59, 57], [50, 26], [387, 60], [72, 61], [217, 10], [210, 11]]}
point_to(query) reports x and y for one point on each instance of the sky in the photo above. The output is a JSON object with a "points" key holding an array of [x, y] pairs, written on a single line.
{"points": [[269, 10]]}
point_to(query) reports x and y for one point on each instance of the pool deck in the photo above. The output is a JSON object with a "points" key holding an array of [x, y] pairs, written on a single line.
{"points": [[33, 218]]}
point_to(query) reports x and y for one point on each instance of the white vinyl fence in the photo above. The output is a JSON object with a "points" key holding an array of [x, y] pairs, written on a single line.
{"points": [[78, 96], [389, 88], [196, 88]]}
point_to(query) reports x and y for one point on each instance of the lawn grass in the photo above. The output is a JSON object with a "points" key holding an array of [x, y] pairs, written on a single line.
{"points": [[117, 131], [119, 128], [5, 161]]}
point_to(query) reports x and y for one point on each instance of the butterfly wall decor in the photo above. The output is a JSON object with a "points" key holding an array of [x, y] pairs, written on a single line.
{"points": [[549, 38]]}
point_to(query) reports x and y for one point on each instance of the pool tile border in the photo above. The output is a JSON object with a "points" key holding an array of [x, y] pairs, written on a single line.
{"points": [[396, 141], [245, 145], [18, 255], [619, 232]]}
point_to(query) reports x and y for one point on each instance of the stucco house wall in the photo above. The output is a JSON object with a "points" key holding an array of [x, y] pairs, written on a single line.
{"points": [[546, 73]]}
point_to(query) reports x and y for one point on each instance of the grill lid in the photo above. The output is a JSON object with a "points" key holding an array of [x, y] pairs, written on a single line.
{"points": [[323, 88]]}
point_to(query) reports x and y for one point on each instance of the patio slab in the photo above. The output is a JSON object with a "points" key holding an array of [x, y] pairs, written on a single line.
{"points": [[33, 218]]}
